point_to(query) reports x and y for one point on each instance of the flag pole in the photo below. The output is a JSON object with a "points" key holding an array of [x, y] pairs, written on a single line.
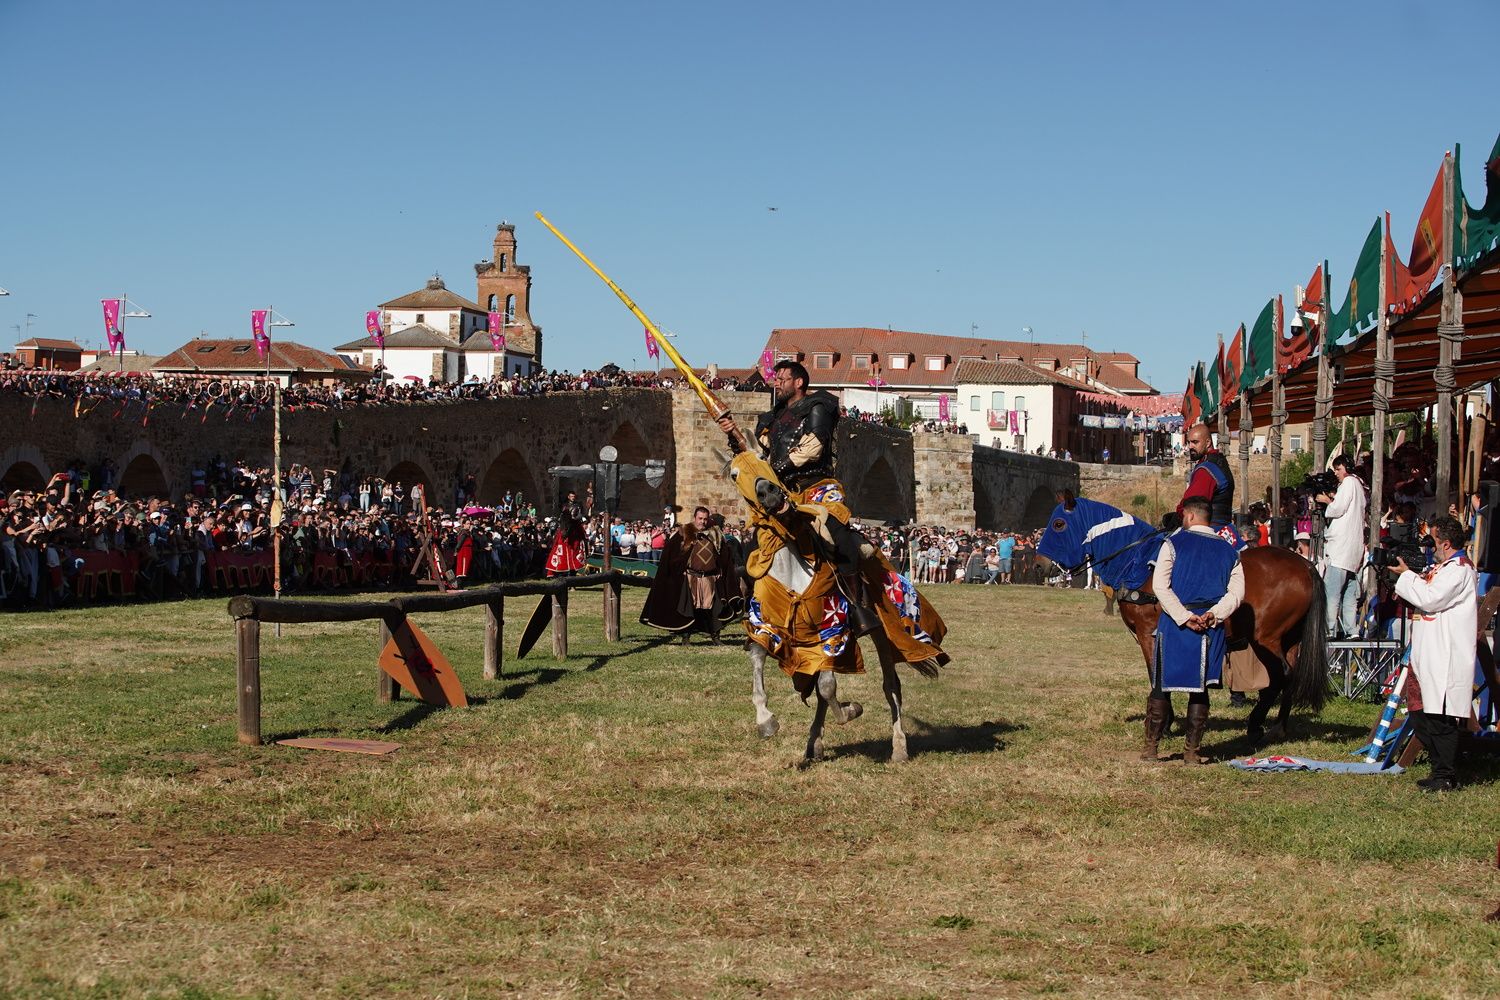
{"points": [[278, 509]]}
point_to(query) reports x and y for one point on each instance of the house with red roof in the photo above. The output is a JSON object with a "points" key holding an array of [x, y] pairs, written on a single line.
{"points": [[45, 352], [289, 362], [852, 362]]}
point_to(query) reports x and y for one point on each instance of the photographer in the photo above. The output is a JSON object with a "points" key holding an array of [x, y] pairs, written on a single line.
{"points": [[1442, 648], [1343, 547]]}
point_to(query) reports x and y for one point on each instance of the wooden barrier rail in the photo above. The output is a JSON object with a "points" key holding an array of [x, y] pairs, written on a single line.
{"points": [[248, 612]]}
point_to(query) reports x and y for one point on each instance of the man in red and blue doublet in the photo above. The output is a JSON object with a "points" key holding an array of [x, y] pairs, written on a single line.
{"points": [[1199, 582], [1210, 479]]}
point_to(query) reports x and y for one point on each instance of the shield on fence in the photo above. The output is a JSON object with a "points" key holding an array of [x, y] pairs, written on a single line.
{"points": [[414, 661], [540, 618]]}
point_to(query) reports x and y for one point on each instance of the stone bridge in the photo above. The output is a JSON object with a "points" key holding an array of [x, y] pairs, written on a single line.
{"points": [[508, 444]]}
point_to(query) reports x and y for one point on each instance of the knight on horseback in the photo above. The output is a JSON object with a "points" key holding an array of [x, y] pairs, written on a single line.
{"points": [[1210, 479]]}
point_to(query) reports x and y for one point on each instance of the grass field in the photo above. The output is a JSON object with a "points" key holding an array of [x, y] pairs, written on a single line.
{"points": [[610, 825]]}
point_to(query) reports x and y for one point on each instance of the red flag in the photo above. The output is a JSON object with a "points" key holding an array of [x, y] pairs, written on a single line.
{"points": [[1409, 282], [1190, 405], [1292, 351], [652, 350], [1231, 366], [258, 331]]}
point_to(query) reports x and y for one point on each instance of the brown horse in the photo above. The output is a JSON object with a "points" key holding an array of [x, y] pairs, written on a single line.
{"points": [[1283, 617]]}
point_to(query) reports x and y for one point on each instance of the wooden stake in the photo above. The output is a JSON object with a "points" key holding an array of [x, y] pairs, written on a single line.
{"points": [[386, 689], [612, 611], [494, 639], [247, 680], [560, 625]]}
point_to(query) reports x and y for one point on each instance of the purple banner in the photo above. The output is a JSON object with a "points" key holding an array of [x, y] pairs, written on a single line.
{"points": [[258, 331], [112, 332], [372, 327]]}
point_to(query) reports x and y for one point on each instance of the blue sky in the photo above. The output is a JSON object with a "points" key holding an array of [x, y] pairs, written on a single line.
{"points": [[1149, 174]]}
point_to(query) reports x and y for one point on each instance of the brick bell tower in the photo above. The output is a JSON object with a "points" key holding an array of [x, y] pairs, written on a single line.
{"points": [[505, 286]]}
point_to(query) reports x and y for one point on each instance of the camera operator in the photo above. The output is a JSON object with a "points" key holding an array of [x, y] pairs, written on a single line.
{"points": [[1343, 547], [1442, 647]]}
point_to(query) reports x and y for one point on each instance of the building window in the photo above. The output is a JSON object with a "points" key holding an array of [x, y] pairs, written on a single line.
{"points": [[207, 349], [935, 363], [1021, 403], [242, 349], [494, 303], [510, 307], [822, 360], [974, 403], [997, 400], [502, 262], [861, 361], [1296, 440], [421, 317], [897, 362]]}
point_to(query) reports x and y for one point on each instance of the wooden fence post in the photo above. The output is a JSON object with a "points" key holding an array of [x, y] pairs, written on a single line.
{"points": [[560, 624], [494, 638], [386, 689], [247, 680], [612, 610]]}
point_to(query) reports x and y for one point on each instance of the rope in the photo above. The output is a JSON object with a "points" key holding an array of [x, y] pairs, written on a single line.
{"points": [[1453, 333], [1444, 378]]}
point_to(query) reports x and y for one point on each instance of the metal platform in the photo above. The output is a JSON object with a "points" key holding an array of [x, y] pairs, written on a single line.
{"points": [[1364, 667]]}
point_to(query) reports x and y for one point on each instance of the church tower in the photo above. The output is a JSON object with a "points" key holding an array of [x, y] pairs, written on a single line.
{"points": [[505, 287]]}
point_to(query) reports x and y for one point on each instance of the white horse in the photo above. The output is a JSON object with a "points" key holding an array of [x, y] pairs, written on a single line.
{"points": [[794, 574]]}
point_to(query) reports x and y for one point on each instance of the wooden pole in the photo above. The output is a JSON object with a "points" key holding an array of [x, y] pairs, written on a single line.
{"points": [[1381, 402], [494, 639], [1245, 430], [560, 625], [1450, 337], [1323, 401], [386, 689], [1278, 413], [247, 680], [612, 611]]}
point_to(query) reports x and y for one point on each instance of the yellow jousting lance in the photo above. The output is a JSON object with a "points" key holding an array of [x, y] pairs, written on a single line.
{"points": [[714, 405]]}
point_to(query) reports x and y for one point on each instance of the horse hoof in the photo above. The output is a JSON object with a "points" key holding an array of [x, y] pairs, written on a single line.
{"points": [[768, 728], [851, 711]]}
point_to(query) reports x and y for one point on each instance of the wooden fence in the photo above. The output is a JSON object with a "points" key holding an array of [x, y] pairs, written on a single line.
{"points": [[249, 612]]}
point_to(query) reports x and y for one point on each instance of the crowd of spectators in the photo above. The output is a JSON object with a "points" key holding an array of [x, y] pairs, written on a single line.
{"points": [[203, 392]]}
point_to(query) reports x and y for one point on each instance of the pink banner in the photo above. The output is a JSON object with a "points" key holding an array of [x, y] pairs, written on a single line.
{"points": [[1015, 422], [497, 331], [652, 351], [258, 331], [372, 327], [112, 332], [768, 364], [943, 407]]}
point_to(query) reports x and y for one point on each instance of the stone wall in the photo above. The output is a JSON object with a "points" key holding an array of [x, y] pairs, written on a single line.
{"points": [[508, 444], [1014, 491]]}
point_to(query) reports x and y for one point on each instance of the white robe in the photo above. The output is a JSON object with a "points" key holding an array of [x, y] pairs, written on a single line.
{"points": [[1443, 637], [1344, 531]]}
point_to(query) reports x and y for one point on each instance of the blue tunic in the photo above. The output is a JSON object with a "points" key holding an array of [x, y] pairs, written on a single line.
{"points": [[1185, 660]]}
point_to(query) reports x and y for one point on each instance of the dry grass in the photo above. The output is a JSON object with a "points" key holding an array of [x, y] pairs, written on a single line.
{"points": [[610, 825]]}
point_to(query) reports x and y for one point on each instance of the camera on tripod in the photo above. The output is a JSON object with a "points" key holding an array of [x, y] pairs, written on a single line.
{"points": [[1318, 483]]}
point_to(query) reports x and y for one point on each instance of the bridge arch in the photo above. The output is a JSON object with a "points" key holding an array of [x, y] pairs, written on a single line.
{"points": [[23, 467], [637, 500], [1038, 508], [877, 494], [142, 477], [507, 471]]}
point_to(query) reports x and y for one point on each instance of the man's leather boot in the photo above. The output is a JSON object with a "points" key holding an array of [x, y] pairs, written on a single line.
{"points": [[1197, 719], [863, 618], [1156, 721]]}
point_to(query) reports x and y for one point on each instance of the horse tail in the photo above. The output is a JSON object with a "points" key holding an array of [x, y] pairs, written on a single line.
{"points": [[1310, 683]]}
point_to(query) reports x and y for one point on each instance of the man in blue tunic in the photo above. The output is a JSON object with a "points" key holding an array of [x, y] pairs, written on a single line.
{"points": [[1199, 582]]}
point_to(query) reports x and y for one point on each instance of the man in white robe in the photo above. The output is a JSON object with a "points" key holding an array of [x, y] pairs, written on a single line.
{"points": [[1442, 647]]}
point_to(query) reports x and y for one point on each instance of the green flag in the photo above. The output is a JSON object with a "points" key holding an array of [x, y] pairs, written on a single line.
{"points": [[1476, 233], [1206, 388], [1361, 307], [1260, 350]]}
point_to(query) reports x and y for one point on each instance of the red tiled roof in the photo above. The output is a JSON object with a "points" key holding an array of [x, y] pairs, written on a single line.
{"points": [[240, 355], [48, 344], [846, 342], [971, 372]]}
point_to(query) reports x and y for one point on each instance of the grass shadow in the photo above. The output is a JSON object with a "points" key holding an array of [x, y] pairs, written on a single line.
{"points": [[924, 738], [540, 676]]}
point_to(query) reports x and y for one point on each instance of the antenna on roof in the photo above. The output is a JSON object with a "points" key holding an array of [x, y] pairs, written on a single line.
{"points": [[1029, 333]]}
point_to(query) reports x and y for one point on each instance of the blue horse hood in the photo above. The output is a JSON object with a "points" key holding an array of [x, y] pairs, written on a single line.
{"points": [[1122, 547]]}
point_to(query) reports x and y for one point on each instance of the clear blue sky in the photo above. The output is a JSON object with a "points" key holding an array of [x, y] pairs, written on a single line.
{"points": [[1150, 174]]}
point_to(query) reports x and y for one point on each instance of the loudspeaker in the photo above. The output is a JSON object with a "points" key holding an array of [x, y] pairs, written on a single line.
{"points": [[1282, 531], [1487, 541]]}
